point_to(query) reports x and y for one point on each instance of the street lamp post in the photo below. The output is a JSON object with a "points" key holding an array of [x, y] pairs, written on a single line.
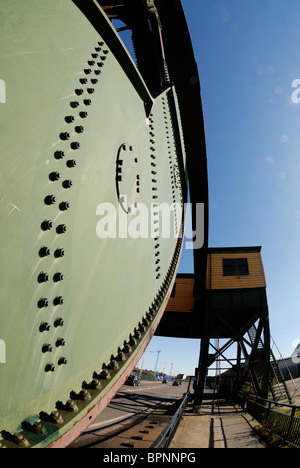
{"points": [[156, 364]]}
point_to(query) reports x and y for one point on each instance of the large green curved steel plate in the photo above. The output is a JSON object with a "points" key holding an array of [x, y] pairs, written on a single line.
{"points": [[85, 150]]}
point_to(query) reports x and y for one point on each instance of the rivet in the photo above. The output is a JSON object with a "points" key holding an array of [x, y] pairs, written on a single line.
{"points": [[91, 63], [90, 90], [64, 206], [49, 367], [101, 44], [113, 364], [74, 104], [149, 316], [121, 356], [57, 417], [95, 55], [94, 81], [65, 136], [79, 129], [87, 102], [50, 200], [46, 225], [69, 119], [54, 176], [97, 72], [61, 229], [95, 384], [20, 439], [43, 303], [59, 322], [75, 145], [43, 277], [58, 277], [71, 405], [127, 348], [145, 322], [58, 300], [79, 92], [100, 64], [44, 326], [132, 340], [83, 80], [83, 115], [87, 71], [62, 361], [59, 253], [44, 252], [105, 374], [60, 342], [85, 395], [39, 428], [71, 163], [47, 348], [59, 154], [67, 184]]}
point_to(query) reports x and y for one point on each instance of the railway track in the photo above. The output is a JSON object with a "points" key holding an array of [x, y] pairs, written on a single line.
{"points": [[138, 431]]}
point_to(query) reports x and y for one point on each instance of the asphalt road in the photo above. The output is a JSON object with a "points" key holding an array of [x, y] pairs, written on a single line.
{"points": [[130, 402]]}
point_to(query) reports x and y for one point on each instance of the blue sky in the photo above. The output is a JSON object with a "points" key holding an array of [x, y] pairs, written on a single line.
{"points": [[248, 55]]}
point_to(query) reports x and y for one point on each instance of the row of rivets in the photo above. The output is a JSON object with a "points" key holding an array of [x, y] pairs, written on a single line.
{"points": [[172, 168], [154, 189], [65, 136], [44, 252]]}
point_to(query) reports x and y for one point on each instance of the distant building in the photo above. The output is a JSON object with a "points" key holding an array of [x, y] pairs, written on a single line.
{"points": [[181, 376], [290, 367]]}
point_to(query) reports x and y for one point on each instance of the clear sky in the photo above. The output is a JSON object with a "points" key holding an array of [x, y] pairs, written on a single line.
{"points": [[248, 56]]}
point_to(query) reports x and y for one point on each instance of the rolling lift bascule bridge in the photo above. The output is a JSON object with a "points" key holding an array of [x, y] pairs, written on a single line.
{"points": [[105, 127]]}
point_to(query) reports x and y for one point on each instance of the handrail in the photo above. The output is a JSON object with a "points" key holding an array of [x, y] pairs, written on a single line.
{"points": [[164, 439], [283, 425]]}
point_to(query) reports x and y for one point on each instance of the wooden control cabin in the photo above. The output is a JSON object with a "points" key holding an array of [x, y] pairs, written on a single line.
{"points": [[235, 290]]}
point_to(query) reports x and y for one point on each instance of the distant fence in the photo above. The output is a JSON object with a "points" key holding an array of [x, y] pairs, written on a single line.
{"points": [[286, 426]]}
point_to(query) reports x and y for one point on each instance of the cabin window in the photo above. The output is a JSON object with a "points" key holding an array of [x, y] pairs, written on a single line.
{"points": [[235, 266]]}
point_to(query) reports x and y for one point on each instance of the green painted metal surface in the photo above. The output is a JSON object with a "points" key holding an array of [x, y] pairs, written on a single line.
{"points": [[70, 299]]}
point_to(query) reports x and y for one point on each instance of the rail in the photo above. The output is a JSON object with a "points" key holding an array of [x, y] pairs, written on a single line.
{"points": [[166, 436], [285, 425]]}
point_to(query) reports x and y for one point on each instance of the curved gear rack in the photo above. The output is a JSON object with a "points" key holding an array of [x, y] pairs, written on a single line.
{"points": [[89, 139]]}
